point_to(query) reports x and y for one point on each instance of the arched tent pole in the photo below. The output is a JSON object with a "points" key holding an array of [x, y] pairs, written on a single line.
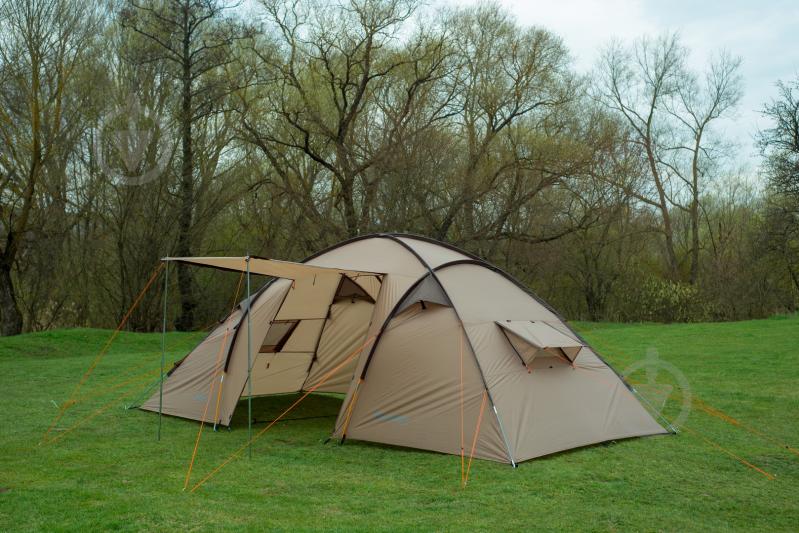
{"points": [[163, 350], [249, 364], [482, 376], [431, 272]]}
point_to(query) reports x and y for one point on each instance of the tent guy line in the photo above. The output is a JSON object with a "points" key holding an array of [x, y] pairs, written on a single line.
{"points": [[103, 351], [249, 442]]}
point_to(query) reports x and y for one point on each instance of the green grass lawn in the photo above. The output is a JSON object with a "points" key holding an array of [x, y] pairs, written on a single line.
{"points": [[111, 474]]}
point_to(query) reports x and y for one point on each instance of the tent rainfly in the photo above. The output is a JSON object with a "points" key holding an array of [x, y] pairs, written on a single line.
{"points": [[440, 335]]}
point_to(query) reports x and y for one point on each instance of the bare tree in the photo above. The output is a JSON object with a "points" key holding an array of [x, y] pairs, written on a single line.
{"points": [[779, 145], [699, 103], [504, 76], [196, 40], [42, 46], [669, 112], [137, 206], [344, 88], [635, 84]]}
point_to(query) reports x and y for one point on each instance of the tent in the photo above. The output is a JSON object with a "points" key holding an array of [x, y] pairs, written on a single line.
{"points": [[430, 346]]}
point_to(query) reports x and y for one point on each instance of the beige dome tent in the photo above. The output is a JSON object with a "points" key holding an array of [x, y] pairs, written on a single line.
{"points": [[430, 345]]}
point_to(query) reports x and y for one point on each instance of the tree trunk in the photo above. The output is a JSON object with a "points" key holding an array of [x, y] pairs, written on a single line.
{"points": [[185, 217], [593, 302], [11, 319], [350, 215], [671, 256], [10, 316], [695, 238], [695, 210]]}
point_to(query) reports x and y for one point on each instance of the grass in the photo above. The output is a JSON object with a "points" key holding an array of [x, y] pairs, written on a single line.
{"points": [[111, 474]]}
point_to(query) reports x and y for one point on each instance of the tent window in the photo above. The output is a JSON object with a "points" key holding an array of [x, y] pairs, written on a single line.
{"points": [[278, 334], [427, 292], [350, 290], [530, 339]]}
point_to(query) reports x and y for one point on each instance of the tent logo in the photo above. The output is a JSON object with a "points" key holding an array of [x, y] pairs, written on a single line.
{"points": [[661, 385], [132, 147]]}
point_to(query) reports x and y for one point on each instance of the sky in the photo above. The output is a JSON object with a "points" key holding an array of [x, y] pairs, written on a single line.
{"points": [[765, 34]]}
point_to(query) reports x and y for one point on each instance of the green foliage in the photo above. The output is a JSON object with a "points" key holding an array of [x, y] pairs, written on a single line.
{"points": [[660, 300]]}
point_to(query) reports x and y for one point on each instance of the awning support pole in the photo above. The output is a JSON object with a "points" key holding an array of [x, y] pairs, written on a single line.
{"points": [[163, 351], [249, 365]]}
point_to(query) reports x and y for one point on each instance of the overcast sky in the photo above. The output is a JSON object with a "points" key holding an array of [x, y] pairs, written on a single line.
{"points": [[765, 34]]}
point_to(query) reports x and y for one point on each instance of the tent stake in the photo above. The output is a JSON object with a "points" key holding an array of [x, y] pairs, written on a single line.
{"points": [[249, 364], [163, 352]]}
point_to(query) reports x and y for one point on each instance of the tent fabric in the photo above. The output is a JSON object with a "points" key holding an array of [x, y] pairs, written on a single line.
{"points": [[411, 393], [533, 357], [543, 336], [432, 253], [554, 409], [278, 373], [344, 333], [309, 298], [484, 340], [277, 335], [304, 338], [266, 267], [347, 288], [201, 378], [377, 255], [370, 285], [197, 377]]}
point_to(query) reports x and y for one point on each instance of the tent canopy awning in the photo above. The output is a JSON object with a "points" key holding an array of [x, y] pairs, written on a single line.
{"points": [[268, 267], [543, 336]]}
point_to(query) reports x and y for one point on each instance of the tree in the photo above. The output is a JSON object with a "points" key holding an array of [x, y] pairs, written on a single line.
{"points": [[508, 85], [699, 103], [340, 89], [195, 39], [135, 150], [43, 44], [779, 146], [669, 112]]}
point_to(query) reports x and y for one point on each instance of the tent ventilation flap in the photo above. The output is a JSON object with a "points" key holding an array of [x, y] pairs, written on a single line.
{"points": [[542, 336]]}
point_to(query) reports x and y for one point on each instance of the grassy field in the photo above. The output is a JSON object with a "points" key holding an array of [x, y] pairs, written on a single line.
{"points": [[110, 473]]}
